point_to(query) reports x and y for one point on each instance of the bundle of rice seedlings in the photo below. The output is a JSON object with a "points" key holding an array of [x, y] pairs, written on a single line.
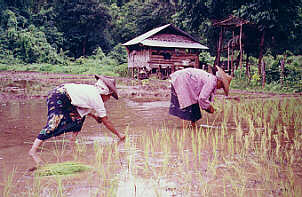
{"points": [[65, 168]]}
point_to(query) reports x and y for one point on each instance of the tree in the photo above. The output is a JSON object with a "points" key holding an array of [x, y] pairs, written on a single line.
{"points": [[277, 19], [85, 25], [45, 21], [135, 18], [123, 21], [153, 14]]}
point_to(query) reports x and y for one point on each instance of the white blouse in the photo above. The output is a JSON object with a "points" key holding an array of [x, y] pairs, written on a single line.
{"points": [[86, 98]]}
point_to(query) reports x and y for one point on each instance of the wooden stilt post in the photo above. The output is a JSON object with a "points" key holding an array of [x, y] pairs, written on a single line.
{"points": [[138, 73], [229, 56], [232, 57], [261, 52], [282, 70], [131, 72], [197, 63], [240, 45], [263, 73], [217, 60], [247, 72], [233, 66]]}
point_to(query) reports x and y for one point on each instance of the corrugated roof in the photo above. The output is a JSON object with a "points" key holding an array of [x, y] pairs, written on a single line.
{"points": [[143, 39], [157, 43], [146, 35]]}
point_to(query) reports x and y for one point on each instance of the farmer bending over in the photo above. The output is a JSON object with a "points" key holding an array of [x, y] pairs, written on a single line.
{"points": [[192, 89], [68, 106]]}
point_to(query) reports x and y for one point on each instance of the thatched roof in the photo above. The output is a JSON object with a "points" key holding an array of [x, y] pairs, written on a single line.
{"points": [[166, 36]]}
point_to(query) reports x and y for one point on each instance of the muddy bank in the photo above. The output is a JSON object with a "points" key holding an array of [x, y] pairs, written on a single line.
{"points": [[30, 85]]}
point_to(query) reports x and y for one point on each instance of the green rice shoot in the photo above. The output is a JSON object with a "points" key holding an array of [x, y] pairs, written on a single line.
{"points": [[65, 168]]}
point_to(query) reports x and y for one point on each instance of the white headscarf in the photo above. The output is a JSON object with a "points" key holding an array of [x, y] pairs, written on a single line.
{"points": [[102, 87]]}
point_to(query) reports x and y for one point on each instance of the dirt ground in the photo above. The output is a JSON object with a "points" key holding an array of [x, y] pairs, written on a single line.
{"points": [[30, 85], [16, 85]]}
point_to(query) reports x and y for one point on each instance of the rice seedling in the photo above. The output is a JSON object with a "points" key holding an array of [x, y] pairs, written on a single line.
{"points": [[253, 148], [8, 183], [65, 168]]}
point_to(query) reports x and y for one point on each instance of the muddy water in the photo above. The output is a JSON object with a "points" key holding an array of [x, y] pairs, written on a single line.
{"points": [[175, 168], [20, 122]]}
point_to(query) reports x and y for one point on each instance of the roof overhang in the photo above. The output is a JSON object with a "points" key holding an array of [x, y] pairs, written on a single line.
{"points": [[156, 43], [143, 39]]}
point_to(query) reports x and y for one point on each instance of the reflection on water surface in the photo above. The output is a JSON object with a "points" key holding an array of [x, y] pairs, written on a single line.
{"points": [[245, 148]]}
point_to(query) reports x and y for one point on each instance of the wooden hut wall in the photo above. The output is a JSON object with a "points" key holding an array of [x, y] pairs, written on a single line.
{"points": [[173, 57], [138, 58], [160, 57]]}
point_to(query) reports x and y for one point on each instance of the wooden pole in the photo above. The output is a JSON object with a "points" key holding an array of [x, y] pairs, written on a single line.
{"points": [[197, 64], [263, 73], [217, 60], [232, 57], [282, 70], [229, 55], [247, 72], [240, 44], [261, 52]]}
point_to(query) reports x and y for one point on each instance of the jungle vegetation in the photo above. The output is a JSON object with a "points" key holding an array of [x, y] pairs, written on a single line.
{"points": [[85, 36]]}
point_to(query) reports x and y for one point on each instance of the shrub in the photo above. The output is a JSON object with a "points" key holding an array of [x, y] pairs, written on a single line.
{"points": [[119, 54], [206, 58], [122, 70]]}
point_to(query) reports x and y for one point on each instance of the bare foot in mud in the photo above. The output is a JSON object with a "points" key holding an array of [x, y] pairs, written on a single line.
{"points": [[36, 158], [122, 138], [188, 125], [32, 169]]}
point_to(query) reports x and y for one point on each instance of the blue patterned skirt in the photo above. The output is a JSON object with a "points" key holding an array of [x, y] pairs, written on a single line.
{"points": [[191, 112], [62, 115]]}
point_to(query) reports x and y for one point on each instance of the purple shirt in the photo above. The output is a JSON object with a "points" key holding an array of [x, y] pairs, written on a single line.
{"points": [[194, 85]]}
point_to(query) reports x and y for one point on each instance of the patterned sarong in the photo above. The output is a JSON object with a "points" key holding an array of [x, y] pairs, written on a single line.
{"points": [[62, 115]]}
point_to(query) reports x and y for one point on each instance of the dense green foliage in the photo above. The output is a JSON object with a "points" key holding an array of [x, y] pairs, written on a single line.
{"points": [[86, 36], [292, 79]]}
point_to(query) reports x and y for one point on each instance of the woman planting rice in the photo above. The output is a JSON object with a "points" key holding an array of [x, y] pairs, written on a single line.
{"points": [[68, 106], [193, 89]]}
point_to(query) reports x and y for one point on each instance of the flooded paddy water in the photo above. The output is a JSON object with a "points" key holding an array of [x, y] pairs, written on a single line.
{"points": [[249, 147]]}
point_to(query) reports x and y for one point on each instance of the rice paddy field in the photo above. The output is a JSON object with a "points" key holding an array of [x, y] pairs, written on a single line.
{"points": [[251, 146]]}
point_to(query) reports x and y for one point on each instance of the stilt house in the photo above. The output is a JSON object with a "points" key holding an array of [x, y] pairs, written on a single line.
{"points": [[162, 50]]}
